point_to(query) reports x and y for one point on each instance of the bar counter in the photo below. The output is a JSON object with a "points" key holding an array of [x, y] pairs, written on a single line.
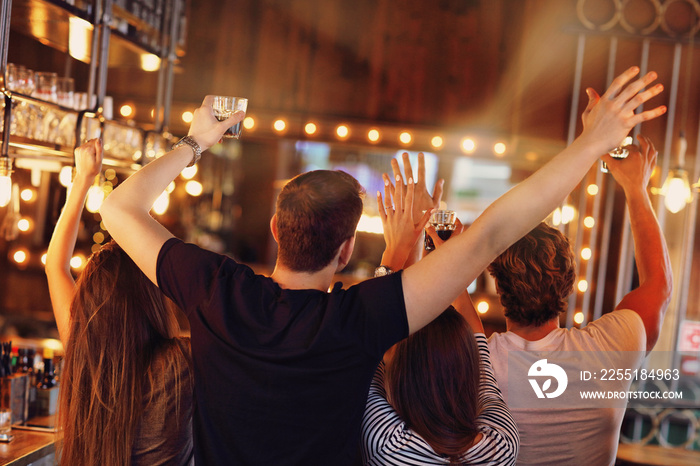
{"points": [[27, 447]]}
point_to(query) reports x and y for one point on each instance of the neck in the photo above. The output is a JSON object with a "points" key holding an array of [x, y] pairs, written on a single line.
{"points": [[293, 280], [531, 332]]}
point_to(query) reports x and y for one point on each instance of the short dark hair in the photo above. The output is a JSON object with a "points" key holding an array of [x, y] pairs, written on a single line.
{"points": [[432, 381], [316, 212], [535, 276]]}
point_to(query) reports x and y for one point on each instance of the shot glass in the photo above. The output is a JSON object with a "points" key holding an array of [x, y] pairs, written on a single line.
{"points": [[224, 107], [444, 223], [620, 152]]}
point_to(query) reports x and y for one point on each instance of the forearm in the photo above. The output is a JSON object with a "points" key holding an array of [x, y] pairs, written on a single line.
{"points": [[651, 252], [65, 233], [458, 262], [140, 190], [60, 251], [465, 306], [126, 215]]}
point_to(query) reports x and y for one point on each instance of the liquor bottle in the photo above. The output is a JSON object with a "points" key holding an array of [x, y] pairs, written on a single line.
{"points": [[49, 378]]}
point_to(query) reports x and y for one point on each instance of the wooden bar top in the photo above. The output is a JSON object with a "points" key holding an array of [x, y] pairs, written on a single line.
{"points": [[654, 455], [26, 447]]}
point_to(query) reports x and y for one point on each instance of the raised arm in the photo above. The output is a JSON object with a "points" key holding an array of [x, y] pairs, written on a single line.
{"points": [[431, 284], [651, 298], [463, 303], [88, 163], [125, 212]]}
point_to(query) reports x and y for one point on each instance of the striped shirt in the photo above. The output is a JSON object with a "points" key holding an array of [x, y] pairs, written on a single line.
{"points": [[386, 440]]}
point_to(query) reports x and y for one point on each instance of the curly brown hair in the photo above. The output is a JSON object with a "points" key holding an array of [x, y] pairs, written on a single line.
{"points": [[535, 276]]}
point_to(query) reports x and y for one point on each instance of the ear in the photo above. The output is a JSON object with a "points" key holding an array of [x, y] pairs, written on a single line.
{"points": [[345, 252], [273, 227]]}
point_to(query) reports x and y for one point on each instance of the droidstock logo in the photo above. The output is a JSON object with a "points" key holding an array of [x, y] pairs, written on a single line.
{"points": [[542, 369]]}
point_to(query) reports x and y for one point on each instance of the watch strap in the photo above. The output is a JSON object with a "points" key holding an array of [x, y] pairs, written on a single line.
{"points": [[196, 149]]}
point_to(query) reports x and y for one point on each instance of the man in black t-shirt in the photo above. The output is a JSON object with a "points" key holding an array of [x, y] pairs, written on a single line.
{"points": [[282, 366]]}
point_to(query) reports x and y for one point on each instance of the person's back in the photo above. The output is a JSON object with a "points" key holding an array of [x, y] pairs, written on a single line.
{"points": [[276, 367], [578, 379], [566, 429]]}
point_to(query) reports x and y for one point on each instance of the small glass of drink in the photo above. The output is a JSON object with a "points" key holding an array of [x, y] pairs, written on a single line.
{"points": [[444, 223], [620, 152], [224, 107]]}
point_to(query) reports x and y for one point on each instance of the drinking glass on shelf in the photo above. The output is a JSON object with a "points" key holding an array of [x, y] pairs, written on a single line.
{"points": [[66, 87], [444, 223], [224, 107], [47, 86]]}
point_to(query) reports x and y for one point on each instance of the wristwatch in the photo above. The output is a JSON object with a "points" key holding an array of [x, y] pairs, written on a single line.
{"points": [[382, 271], [189, 141]]}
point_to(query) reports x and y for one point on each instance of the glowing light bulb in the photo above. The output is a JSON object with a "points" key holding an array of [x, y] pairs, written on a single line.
{"points": [[24, 224], [187, 116], [248, 122], [405, 137], [95, 196], [582, 286], [279, 125], [342, 131], [567, 214], [310, 128], [194, 188], [482, 307], [677, 193], [468, 145], [65, 176], [28, 195], [160, 206], [150, 62], [436, 142], [189, 172], [592, 189], [20, 256], [578, 317], [589, 222], [43, 259], [373, 135], [499, 148], [126, 110], [76, 262], [586, 253]]}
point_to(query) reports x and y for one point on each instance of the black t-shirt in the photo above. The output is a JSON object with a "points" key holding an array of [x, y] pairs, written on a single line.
{"points": [[281, 376]]}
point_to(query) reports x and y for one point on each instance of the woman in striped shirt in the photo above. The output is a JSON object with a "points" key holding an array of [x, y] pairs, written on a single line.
{"points": [[434, 399]]}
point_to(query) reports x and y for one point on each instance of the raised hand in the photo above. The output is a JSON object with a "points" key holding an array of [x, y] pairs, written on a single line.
{"points": [[423, 200], [401, 233], [634, 171], [608, 119], [88, 159], [437, 241], [206, 129]]}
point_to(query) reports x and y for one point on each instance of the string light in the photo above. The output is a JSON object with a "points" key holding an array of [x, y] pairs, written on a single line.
{"points": [[279, 125], [582, 286], [28, 195], [405, 137], [468, 145], [586, 253], [436, 142], [578, 317], [342, 131], [589, 222], [482, 307], [373, 135], [310, 128]]}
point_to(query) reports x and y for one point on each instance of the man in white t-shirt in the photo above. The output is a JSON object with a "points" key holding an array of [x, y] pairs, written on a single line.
{"points": [[544, 370]]}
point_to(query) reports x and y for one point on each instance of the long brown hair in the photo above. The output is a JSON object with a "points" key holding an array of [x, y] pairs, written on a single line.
{"points": [[119, 322], [535, 276], [432, 382]]}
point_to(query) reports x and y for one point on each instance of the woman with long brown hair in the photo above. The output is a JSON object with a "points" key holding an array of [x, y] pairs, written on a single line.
{"points": [[126, 389], [434, 398]]}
